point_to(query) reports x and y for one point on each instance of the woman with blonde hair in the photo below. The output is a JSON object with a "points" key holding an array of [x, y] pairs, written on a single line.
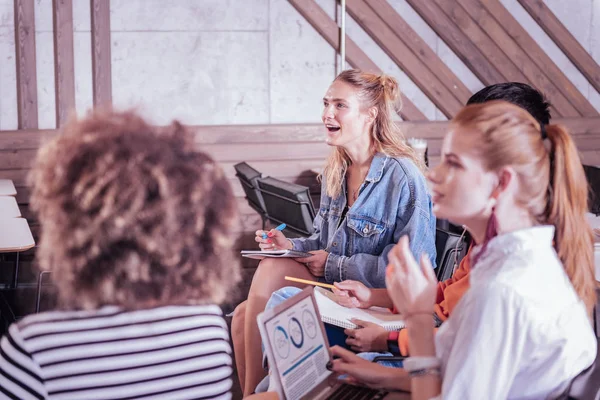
{"points": [[373, 192], [522, 329], [136, 227]]}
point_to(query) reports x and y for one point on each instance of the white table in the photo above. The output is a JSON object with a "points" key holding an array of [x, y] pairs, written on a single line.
{"points": [[15, 235], [9, 207], [7, 188]]}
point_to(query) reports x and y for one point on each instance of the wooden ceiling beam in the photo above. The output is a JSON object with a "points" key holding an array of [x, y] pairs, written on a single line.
{"points": [[397, 50], [533, 60], [564, 40], [329, 30], [458, 41], [420, 48]]}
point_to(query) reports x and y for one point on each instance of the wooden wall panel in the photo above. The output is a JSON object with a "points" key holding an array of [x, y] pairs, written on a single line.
{"points": [[64, 66], [296, 152], [27, 104], [315, 15], [101, 60], [300, 163], [564, 40]]}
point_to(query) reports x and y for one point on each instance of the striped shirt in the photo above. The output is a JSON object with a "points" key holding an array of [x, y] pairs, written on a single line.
{"points": [[173, 352]]}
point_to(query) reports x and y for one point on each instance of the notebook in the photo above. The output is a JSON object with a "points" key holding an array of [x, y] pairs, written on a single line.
{"points": [[260, 254], [335, 314]]}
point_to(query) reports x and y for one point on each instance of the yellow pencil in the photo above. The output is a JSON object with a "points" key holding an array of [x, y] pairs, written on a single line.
{"points": [[325, 285]]}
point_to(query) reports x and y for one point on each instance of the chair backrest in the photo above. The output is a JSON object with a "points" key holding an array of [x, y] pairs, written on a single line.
{"points": [[593, 177], [450, 248], [288, 203], [248, 177]]}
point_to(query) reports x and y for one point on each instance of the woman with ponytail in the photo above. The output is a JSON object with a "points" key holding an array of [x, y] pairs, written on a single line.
{"points": [[373, 193], [522, 330]]}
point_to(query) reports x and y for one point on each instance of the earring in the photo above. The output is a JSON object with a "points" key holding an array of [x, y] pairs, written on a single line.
{"points": [[490, 232], [492, 226]]}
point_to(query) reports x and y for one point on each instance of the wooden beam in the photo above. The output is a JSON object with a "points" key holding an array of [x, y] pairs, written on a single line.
{"points": [[523, 62], [327, 28], [397, 50], [64, 67], [519, 45], [474, 33], [420, 48], [101, 71], [564, 40], [27, 104], [458, 41], [280, 133]]}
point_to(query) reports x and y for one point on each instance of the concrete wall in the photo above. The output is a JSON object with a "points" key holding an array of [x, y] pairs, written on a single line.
{"points": [[238, 61]]}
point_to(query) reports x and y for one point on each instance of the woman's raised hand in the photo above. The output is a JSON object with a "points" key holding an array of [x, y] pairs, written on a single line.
{"points": [[275, 240], [412, 287]]}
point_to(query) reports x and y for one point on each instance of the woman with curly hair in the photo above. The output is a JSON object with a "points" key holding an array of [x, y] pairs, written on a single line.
{"points": [[136, 228]]}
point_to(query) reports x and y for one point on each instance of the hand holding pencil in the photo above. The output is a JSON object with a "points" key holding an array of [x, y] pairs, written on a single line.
{"points": [[273, 239]]}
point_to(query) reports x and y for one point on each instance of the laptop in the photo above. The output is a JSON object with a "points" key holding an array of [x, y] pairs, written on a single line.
{"points": [[297, 349]]}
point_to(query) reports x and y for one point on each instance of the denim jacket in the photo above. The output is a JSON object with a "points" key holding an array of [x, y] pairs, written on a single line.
{"points": [[393, 201]]}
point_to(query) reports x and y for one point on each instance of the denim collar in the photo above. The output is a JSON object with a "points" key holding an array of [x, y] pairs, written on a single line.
{"points": [[377, 166]]}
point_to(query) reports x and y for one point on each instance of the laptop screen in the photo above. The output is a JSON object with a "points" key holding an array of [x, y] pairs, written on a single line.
{"points": [[299, 348]]}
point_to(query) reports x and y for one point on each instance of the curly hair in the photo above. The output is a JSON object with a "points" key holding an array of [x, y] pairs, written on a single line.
{"points": [[133, 215]]}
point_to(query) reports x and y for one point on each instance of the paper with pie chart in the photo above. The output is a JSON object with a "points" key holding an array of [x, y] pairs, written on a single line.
{"points": [[299, 347]]}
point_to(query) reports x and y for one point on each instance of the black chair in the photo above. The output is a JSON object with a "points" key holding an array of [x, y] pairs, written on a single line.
{"points": [[593, 177], [288, 203], [450, 248], [586, 385], [248, 177]]}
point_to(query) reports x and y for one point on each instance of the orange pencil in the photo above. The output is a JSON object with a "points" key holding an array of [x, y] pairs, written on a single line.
{"points": [[325, 285]]}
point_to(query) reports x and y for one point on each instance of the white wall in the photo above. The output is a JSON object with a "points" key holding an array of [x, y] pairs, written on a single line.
{"points": [[238, 61]]}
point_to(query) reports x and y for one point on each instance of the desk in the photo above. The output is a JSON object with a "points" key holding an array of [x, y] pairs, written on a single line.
{"points": [[15, 235], [9, 207], [7, 188]]}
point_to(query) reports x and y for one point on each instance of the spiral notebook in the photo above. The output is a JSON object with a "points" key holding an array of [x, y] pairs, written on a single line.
{"points": [[335, 314]]}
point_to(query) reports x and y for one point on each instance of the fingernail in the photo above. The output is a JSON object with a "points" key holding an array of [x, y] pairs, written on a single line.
{"points": [[269, 241], [329, 365], [270, 234]]}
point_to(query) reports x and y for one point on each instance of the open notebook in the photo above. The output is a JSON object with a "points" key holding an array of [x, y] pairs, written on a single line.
{"points": [[335, 314], [260, 254]]}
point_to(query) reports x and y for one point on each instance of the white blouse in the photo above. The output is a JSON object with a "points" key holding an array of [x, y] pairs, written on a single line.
{"points": [[520, 331]]}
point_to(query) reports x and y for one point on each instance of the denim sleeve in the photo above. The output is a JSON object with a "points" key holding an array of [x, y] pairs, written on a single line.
{"points": [[414, 219], [311, 243]]}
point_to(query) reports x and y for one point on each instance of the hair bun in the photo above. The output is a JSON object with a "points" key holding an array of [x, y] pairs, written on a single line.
{"points": [[390, 88]]}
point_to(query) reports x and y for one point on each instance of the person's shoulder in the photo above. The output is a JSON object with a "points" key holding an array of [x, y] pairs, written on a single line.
{"points": [[404, 166]]}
